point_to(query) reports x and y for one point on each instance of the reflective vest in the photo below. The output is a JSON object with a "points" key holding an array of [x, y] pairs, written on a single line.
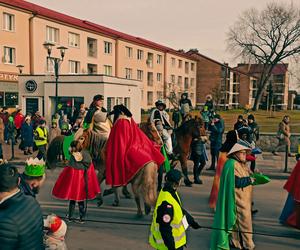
{"points": [[178, 231], [42, 134]]}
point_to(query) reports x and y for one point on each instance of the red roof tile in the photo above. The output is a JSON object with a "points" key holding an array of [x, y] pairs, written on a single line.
{"points": [[83, 24]]}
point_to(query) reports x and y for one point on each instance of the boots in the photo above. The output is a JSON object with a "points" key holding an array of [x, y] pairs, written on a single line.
{"points": [[187, 181], [26, 151], [196, 173], [30, 151], [82, 211], [69, 216]]}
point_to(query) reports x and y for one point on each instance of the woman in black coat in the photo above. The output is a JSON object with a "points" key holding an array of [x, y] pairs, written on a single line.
{"points": [[27, 136]]}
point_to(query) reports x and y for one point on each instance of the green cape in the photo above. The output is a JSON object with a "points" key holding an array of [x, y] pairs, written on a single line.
{"points": [[66, 145], [225, 216], [166, 163]]}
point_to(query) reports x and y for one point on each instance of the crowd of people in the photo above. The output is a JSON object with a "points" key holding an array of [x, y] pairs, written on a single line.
{"points": [[128, 150]]}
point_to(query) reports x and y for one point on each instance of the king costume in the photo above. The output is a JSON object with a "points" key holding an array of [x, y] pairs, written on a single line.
{"points": [[291, 212], [233, 210], [128, 149]]}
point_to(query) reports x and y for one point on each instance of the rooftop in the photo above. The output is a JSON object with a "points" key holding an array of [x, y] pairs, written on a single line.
{"points": [[87, 25]]}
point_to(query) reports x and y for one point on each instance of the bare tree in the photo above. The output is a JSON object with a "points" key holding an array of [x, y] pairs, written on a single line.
{"points": [[266, 37], [217, 95], [172, 96]]}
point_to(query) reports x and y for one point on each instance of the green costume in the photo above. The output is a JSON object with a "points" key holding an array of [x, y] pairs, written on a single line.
{"points": [[225, 216]]}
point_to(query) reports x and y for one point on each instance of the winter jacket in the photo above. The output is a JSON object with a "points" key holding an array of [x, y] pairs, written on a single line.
{"points": [[21, 223]]}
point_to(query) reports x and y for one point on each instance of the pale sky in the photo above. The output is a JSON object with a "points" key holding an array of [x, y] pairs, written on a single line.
{"points": [[180, 24]]}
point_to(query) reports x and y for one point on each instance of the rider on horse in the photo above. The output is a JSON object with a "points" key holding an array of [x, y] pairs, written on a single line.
{"points": [[96, 118], [185, 105], [159, 114]]}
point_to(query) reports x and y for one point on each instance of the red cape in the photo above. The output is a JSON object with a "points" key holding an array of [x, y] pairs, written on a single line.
{"points": [[128, 150], [293, 183]]}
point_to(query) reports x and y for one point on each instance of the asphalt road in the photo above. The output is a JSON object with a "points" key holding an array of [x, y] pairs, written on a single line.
{"points": [[119, 228]]}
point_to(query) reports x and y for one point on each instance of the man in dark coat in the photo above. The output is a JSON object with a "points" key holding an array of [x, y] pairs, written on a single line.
{"points": [[216, 128], [21, 220]]}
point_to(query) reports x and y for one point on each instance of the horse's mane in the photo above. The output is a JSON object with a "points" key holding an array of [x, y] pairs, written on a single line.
{"points": [[184, 128]]}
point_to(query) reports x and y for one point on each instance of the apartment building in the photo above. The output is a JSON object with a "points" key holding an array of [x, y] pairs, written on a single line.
{"points": [[224, 83], [91, 49], [277, 91]]}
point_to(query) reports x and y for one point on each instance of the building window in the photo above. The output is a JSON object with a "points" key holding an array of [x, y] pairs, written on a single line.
{"points": [[172, 78], [140, 75], [192, 66], [11, 99], [52, 35], [192, 82], [179, 80], [92, 47], [186, 83], [150, 60], [159, 95], [173, 61], [150, 98], [186, 66], [150, 78], [74, 40], [128, 73], [278, 78], [159, 76], [8, 22], [107, 47], [9, 55], [74, 67], [127, 102], [180, 64], [159, 59], [107, 70], [129, 52], [92, 69], [110, 103], [140, 54]]}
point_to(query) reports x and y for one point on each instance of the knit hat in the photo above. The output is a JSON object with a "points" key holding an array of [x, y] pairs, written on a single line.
{"points": [[251, 117], [98, 98], [34, 167], [173, 175], [55, 225], [11, 119]]}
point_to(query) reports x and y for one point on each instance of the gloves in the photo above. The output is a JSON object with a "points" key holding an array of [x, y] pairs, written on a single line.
{"points": [[195, 225]]}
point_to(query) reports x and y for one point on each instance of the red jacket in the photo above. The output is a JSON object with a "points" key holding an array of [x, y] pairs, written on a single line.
{"points": [[19, 118]]}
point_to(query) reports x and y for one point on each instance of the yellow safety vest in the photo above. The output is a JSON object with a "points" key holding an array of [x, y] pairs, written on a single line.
{"points": [[178, 230], [42, 134]]}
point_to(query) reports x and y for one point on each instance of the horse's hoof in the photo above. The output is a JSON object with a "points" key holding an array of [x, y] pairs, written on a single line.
{"points": [[99, 202], [116, 204], [188, 183], [147, 209], [126, 194], [139, 214]]}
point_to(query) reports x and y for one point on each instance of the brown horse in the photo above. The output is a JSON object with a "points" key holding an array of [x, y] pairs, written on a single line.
{"points": [[143, 184], [182, 138]]}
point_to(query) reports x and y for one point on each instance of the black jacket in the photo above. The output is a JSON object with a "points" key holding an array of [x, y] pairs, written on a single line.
{"points": [[21, 224]]}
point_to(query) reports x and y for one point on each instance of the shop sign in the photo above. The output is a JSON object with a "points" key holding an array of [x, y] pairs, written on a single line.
{"points": [[8, 77]]}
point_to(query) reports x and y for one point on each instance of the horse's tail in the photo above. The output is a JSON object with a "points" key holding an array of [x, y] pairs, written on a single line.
{"points": [[55, 148], [149, 188]]}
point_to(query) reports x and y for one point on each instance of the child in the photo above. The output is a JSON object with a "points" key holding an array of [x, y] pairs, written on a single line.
{"points": [[176, 117], [78, 181], [198, 155], [54, 131], [56, 229]]}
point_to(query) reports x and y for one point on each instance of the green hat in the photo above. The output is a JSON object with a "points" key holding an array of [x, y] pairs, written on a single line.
{"points": [[11, 119], [260, 179], [34, 167]]}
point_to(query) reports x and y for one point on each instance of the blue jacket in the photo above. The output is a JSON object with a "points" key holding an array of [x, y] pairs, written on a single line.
{"points": [[27, 135], [216, 133]]}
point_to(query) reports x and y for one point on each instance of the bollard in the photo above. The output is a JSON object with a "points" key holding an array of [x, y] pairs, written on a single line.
{"points": [[12, 149], [286, 159]]}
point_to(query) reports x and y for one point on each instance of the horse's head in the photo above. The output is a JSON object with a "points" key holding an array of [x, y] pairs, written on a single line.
{"points": [[149, 129], [192, 127], [84, 139]]}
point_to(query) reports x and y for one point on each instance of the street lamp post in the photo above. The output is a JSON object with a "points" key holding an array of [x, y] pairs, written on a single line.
{"points": [[56, 64]]}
